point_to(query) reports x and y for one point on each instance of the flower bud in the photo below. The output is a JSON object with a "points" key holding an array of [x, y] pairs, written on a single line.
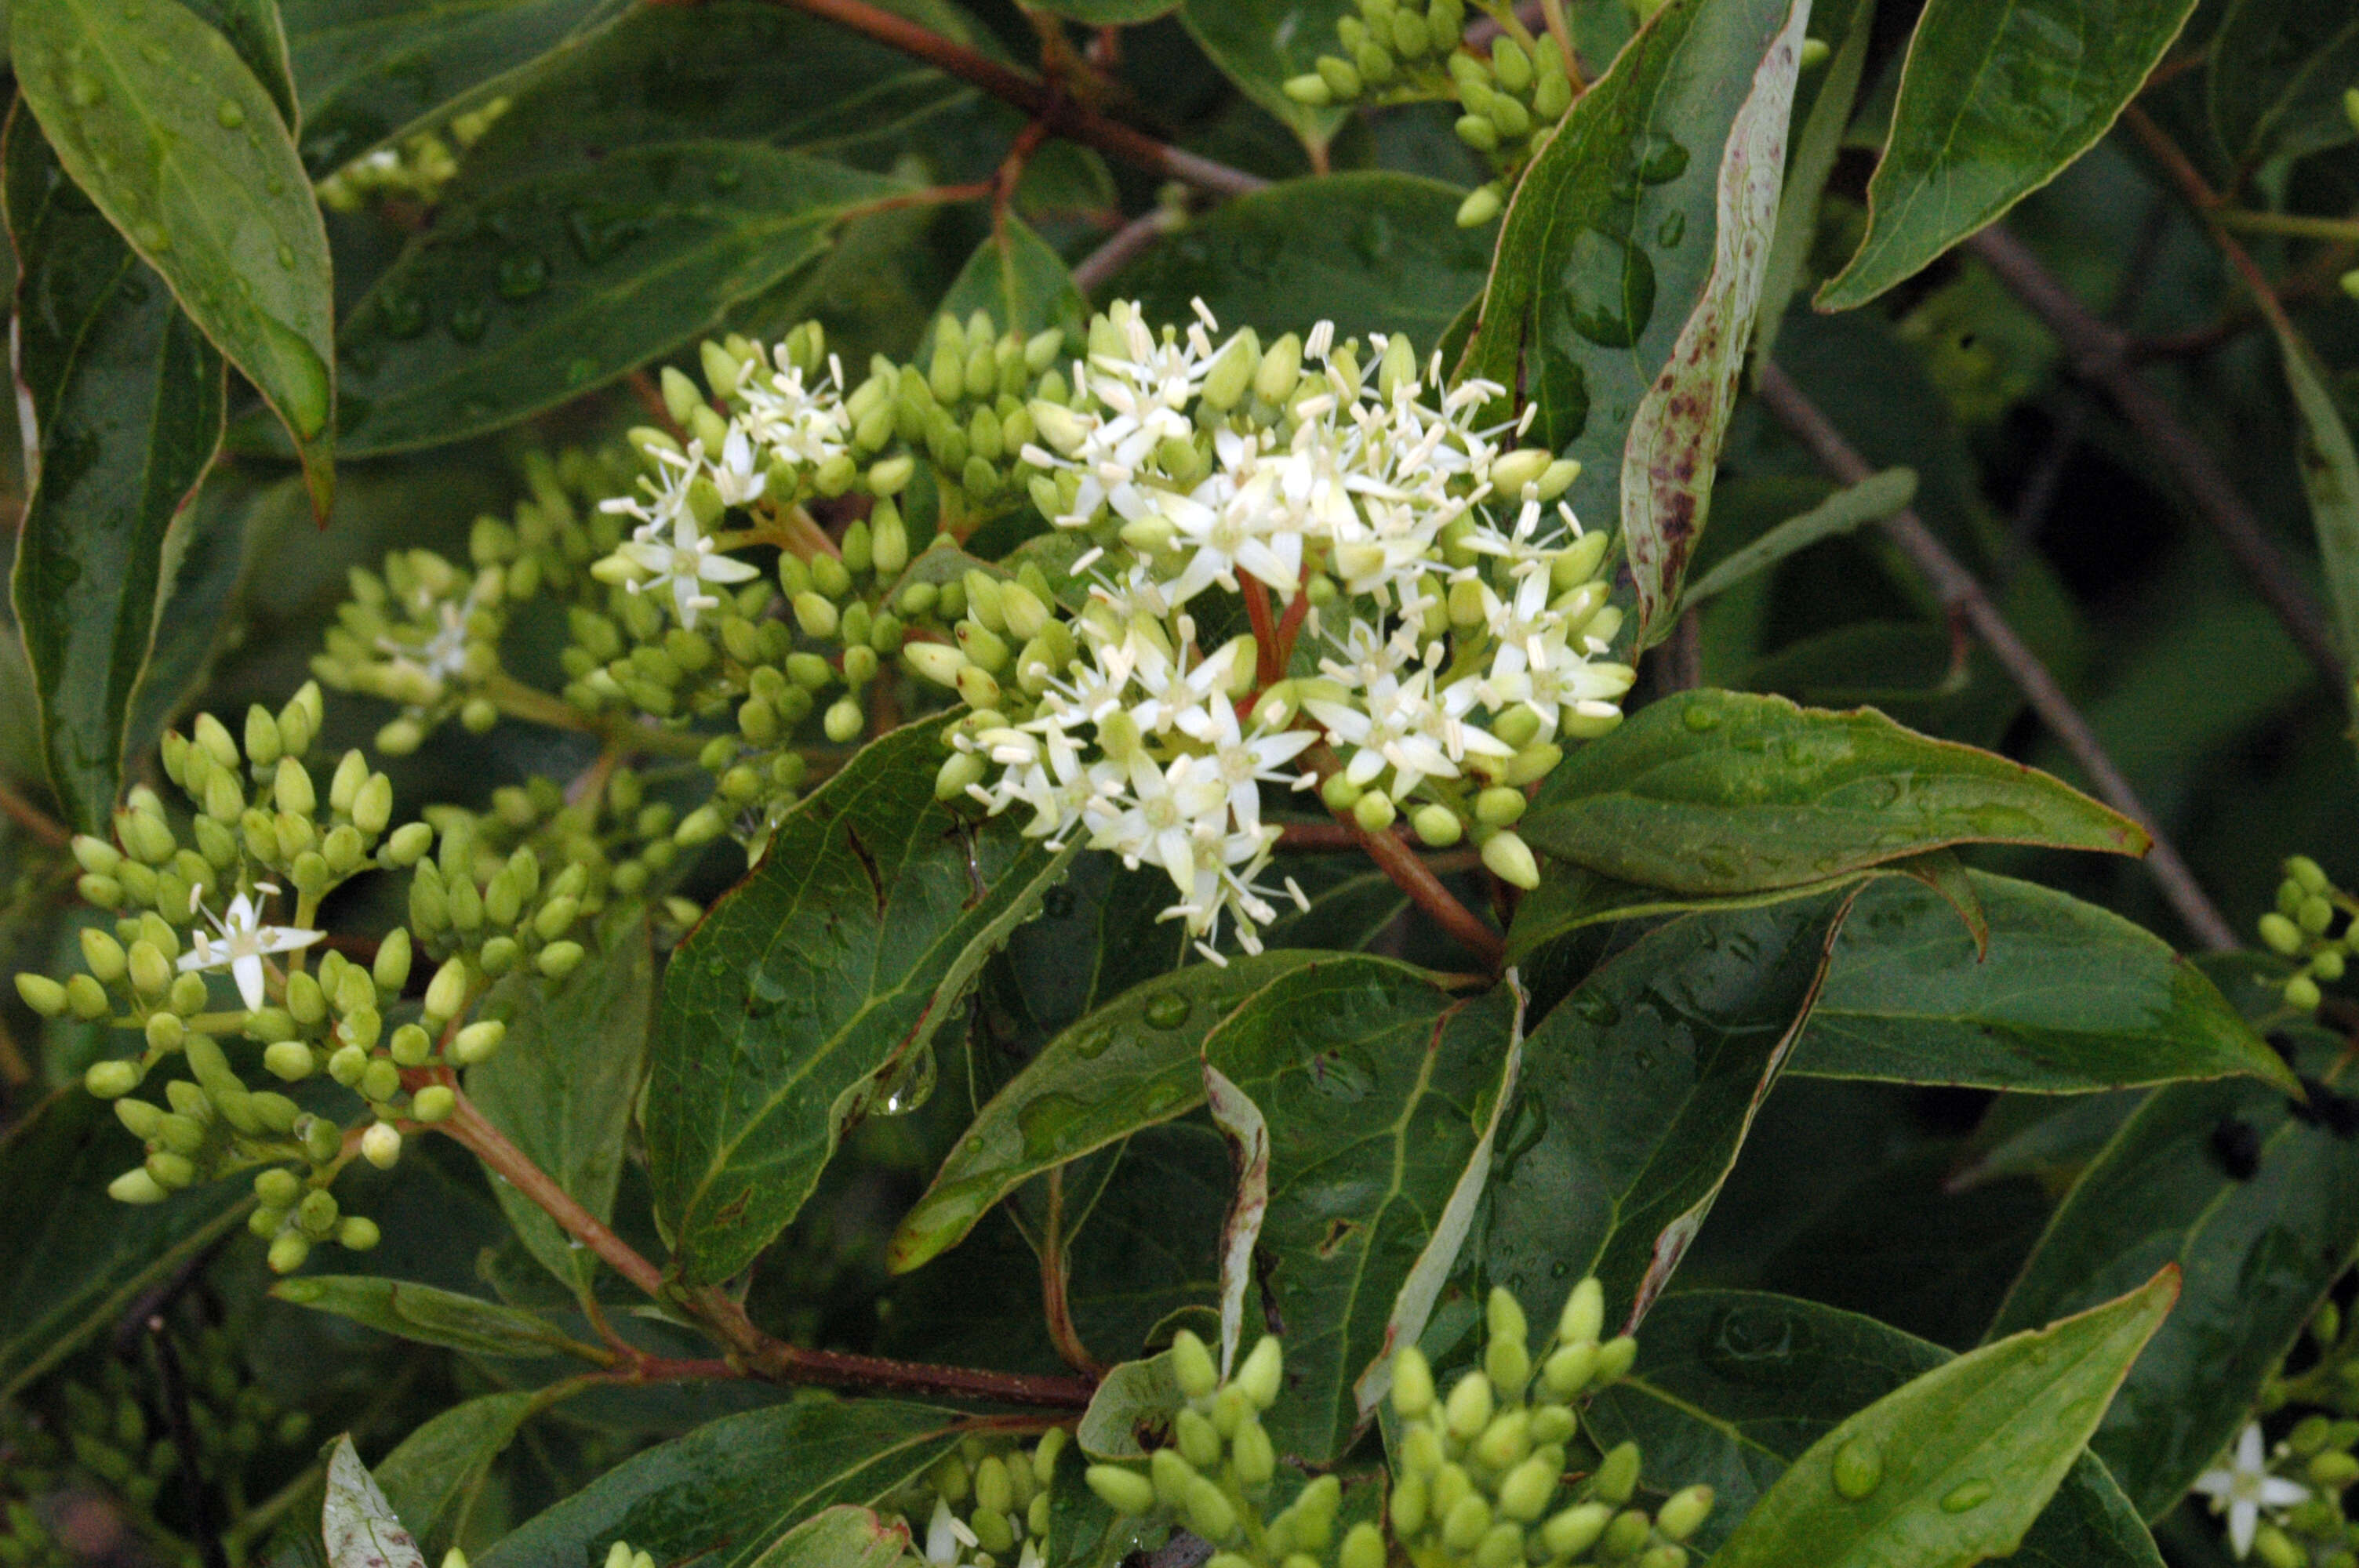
{"points": [[1576, 1530], [1364, 1547], [381, 1144], [42, 994], [1468, 1521], [559, 959], [1499, 807], [291, 1061], [1681, 1514], [355, 1234], [1468, 1411], [111, 1080], [1615, 1358], [433, 1103], [1260, 1377], [937, 662], [1171, 1473], [86, 998], [1510, 858], [447, 992], [1252, 1455], [477, 1042], [1199, 1443], [104, 954], [1616, 1477], [1191, 1366], [1481, 205], [1127, 1492], [1209, 1512], [1373, 811], [288, 1250]]}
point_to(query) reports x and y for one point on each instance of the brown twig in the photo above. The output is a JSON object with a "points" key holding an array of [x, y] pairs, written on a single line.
{"points": [[1415, 878], [1963, 597], [2099, 353], [513, 1165], [1076, 121], [1122, 247], [33, 819], [1056, 1303]]}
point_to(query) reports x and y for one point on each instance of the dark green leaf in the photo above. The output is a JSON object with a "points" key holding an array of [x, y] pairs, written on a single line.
{"points": [[1964, 1458], [723, 1494], [1731, 1385], [1133, 1395], [735, 70], [204, 561], [1133, 1063], [1024, 284], [1870, 501], [256, 30], [1638, 1091], [425, 1313], [1830, 98], [552, 286], [2278, 71], [182, 148], [1373, 1089], [1372, 252], [1995, 100], [1260, 43], [122, 396], [373, 73], [1108, 12], [2330, 474], [2257, 1255], [831, 964], [1718, 792], [1673, 452], [2071, 998], [434, 1476], [1572, 899], [563, 1081], [71, 1258], [1610, 239], [840, 1537]]}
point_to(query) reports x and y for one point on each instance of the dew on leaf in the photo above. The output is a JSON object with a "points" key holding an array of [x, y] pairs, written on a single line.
{"points": [[229, 114], [522, 275], [1963, 1498], [1168, 1010], [1858, 1469]]}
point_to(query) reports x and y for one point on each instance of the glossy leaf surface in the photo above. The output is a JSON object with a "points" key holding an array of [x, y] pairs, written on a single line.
{"points": [[730, 1489], [2256, 1254], [834, 961], [550, 286], [1023, 282], [425, 1313], [1607, 246], [1731, 1387], [1376, 1086], [1129, 1065], [1261, 43], [2278, 71], [1964, 1456], [434, 1476], [1638, 1091], [2070, 998], [1996, 98], [123, 396], [184, 151], [2329, 475], [71, 1263], [1716, 792], [562, 1084], [1371, 251]]}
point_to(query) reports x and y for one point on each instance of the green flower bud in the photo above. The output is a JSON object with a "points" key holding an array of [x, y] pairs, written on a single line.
{"points": [[816, 615], [355, 1234], [145, 834], [381, 1144], [104, 954], [844, 720], [85, 998], [1280, 371], [961, 770], [1364, 1547], [1311, 88], [477, 1042], [291, 1061], [316, 1214], [559, 959], [1468, 1521], [1627, 1536], [1615, 1358], [214, 736], [111, 1080], [42, 994], [433, 1103], [1478, 130], [1191, 1366], [1373, 811], [1481, 206], [1263, 1373], [1576, 1530], [287, 1251], [172, 1172], [1510, 858], [1209, 1512], [1127, 1492], [1681, 1514], [136, 1186], [1616, 1477], [447, 992], [1468, 1411], [1252, 1455], [1199, 1443]]}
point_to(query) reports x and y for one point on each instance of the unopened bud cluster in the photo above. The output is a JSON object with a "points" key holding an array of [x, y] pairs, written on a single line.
{"points": [[194, 963], [1215, 1474], [2313, 925], [983, 1505], [1480, 1475], [414, 169], [2284, 1502], [1400, 51]]}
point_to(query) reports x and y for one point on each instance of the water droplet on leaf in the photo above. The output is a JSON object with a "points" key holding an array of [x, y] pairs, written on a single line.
{"points": [[1972, 1495], [1858, 1469], [522, 276], [229, 114], [1168, 1010]]}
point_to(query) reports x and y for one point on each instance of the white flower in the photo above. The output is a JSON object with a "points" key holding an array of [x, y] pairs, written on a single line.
{"points": [[686, 564], [807, 425], [2244, 1490], [242, 944]]}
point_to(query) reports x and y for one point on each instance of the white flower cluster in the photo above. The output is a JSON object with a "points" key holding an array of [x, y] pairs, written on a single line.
{"points": [[1452, 624], [788, 426]]}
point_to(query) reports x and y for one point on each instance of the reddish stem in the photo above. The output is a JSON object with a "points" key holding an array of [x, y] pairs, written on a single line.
{"points": [[512, 1164], [1267, 664], [33, 819]]}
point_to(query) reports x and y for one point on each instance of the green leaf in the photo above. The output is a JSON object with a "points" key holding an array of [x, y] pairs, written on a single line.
{"points": [[121, 396], [1636, 1092], [1673, 452], [1132, 1397], [1258, 44], [1610, 240], [1374, 1087], [74, 1260], [374, 74], [1571, 899], [1024, 284], [434, 1476], [1107, 13], [1131, 1063], [1872, 499], [827, 968], [563, 1080], [1831, 98], [2276, 79], [358, 1526], [182, 148], [1372, 252], [425, 1314], [1731, 1385], [1964, 1456], [2329, 475], [724, 1493], [547, 288], [840, 1537], [259, 34], [1997, 97], [203, 563], [733, 71], [1720, 792], [2071, 998], [2257, 1256]]}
